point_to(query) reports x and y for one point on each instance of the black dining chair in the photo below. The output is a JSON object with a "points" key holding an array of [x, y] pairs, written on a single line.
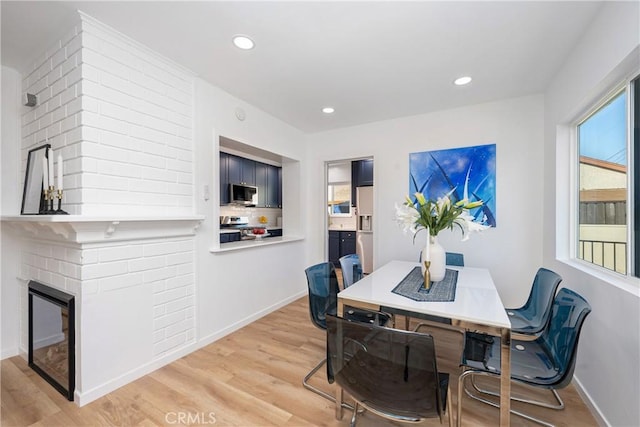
{"points": [[322, 283], [389, 372], [547, 362]]}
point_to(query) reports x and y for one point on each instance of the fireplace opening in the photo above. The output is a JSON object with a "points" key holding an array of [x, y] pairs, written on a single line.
{"points": [[52, 336]]}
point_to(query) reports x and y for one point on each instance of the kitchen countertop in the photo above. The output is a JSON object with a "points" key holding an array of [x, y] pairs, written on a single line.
{"points": [[342, 229], [246, 227], [248, 244]]}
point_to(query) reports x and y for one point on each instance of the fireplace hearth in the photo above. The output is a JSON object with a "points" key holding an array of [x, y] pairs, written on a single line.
{"points": [[52, 336]]}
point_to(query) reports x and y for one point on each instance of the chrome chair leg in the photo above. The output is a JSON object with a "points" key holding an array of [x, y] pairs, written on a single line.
{"points": [[449, 406], [355, 414], [558, 406], [305, 383], [462, 386]]}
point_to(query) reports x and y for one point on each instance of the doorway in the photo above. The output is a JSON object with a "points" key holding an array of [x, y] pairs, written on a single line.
{"points": [[349, 195]]}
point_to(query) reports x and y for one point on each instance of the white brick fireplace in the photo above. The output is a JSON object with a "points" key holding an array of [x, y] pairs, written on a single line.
{"points": [[133, 280], [122, 117]]}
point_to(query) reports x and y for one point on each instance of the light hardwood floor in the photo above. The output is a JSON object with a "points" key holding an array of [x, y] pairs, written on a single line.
{"points": [[249, 378]]}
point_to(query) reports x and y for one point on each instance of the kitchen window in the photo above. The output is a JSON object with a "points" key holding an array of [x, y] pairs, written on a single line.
{"points": [[607, 138]]}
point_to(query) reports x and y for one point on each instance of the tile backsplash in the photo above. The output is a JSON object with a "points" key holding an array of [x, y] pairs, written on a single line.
{"points": [[347, 223], [253, 214]]}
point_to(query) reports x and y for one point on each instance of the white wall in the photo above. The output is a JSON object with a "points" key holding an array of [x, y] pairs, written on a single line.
{"points": [[137, 118], [121, 116], [10, 205], [607, 367], [512, 251], [236, 287]]}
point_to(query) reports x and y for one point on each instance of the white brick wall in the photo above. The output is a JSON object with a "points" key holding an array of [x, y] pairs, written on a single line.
{"points": [[122, 116], [53, 264], [55, 79], [165, 265]]}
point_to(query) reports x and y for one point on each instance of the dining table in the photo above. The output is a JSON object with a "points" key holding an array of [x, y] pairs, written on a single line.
{"points": [[476, 307]]}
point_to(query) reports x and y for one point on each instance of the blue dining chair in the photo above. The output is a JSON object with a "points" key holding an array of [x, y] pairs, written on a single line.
{"points": [[533, 316], [351, 269], [455, 259], [322, 283], [547, 362], [451, 258]]}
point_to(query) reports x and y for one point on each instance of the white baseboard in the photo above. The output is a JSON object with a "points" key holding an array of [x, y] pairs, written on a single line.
{"points": [[593, 408], [204, 341], [9, 352], [83, 397]]}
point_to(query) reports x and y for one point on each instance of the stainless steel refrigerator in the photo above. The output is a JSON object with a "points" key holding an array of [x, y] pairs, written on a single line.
{"points": [[364, 230]]}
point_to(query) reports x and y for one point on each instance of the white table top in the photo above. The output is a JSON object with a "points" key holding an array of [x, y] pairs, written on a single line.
{"points": [[477, 299]]}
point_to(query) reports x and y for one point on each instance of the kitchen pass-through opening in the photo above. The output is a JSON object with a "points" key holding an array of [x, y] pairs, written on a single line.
{"points": [[52, 336]]}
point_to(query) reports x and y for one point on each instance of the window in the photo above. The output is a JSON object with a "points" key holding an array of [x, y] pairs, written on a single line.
{"points": [[605, 165], [339, 196], [339, 188]]}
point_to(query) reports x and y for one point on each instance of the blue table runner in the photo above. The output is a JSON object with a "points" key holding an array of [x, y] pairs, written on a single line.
{"points": [[443, 291]]}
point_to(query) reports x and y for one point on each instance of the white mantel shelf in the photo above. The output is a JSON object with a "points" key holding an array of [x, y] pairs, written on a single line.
{"points": [[92, 229]]}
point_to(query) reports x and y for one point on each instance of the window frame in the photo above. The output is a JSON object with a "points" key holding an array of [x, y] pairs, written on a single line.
{"points": [[634, 139], [631, 86]]}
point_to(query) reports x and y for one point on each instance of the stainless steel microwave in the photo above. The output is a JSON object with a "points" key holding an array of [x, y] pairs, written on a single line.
{"points": [[242, 194]]}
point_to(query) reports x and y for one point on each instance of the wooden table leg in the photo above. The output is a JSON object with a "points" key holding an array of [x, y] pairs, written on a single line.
{"points": [[505, 378]]}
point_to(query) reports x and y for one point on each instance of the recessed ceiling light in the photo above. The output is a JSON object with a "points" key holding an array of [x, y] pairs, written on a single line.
{"points": [[462, 81], [243, 42], [328, 110]]}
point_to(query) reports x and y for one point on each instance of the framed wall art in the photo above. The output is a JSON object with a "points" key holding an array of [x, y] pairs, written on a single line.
{"points": [[459, 172], [32, 195]]}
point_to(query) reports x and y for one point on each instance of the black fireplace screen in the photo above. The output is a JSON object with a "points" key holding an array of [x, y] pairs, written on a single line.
{"points": [[52, 336]]}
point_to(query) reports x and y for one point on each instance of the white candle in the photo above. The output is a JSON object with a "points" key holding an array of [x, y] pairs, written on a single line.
{"points": [[427, 256], [59, 172], [51, 167], [45, 174]]}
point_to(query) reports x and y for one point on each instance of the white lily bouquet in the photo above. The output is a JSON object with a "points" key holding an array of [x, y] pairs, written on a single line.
{"points": [[435, 216]]}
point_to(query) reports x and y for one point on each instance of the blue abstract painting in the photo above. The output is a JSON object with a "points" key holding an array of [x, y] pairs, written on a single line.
{"points": [[440, 172]]}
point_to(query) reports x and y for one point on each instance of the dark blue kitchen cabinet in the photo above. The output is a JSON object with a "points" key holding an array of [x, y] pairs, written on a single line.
{"points": [[224, 178], [273, 191], [361, 176], [279, 187], [238, 170], [268, 183], [230, 237], [365, 178], [341, 243], [261, 183], [334, 247], [248, 171], [274, 232], [234, 169]]}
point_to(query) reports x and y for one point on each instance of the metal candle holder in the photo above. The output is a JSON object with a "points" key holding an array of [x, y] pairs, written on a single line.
{"points": [[50, 195], [427, 275], [59, 211]]}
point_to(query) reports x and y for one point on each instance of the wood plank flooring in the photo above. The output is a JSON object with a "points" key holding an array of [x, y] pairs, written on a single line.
{"points": [[252, 377]]}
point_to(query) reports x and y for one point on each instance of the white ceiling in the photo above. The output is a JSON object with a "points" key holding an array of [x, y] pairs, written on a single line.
{"points": [[369, 60]]}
